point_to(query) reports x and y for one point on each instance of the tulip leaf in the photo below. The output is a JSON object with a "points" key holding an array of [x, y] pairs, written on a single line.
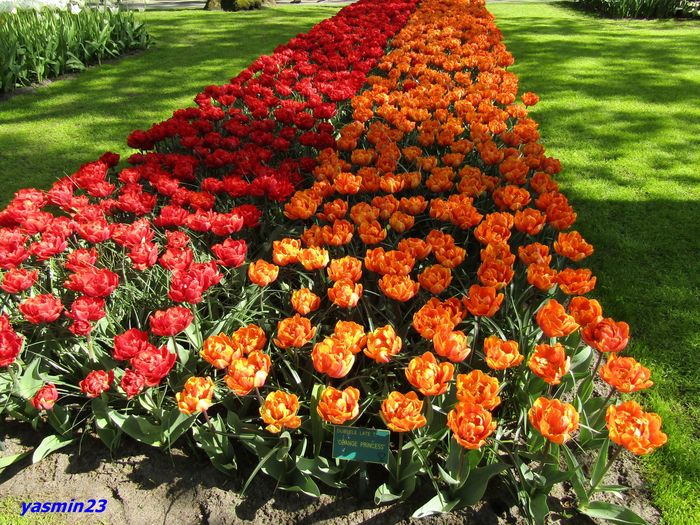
{"points": [[616, 514], [50, 444], [538, 508], [599, 468], [475, 486], [8, 461], [437, 505], [578, 482], [31, 380]]}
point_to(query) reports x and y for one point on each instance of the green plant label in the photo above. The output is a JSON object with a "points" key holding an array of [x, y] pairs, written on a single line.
{"points": [[361, 444]]}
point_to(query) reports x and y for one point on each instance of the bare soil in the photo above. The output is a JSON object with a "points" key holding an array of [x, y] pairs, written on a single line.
{"points": [[144, 485]]}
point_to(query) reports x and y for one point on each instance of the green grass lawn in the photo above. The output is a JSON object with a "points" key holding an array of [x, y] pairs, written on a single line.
{"points": [[52, 131], [621, 109]]}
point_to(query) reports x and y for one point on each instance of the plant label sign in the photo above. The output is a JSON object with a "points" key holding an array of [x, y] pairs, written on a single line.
{"points": [[361, 444]]}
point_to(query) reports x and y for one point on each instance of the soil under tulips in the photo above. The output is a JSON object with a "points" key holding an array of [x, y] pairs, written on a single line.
{"points": [[144, 485]]}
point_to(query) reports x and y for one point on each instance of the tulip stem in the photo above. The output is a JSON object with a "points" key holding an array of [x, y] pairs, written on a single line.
{"points": [[398, 459], [260, 398], [605, 470], [213, 430], [90, 348], [602, 408], [474, 338]]}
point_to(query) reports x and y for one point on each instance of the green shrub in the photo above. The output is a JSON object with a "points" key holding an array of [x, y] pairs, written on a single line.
{"points": [[638, 8], [36, 45]]}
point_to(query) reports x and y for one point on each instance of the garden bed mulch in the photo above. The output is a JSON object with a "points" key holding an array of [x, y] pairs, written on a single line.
{"points": [[145, 485]]}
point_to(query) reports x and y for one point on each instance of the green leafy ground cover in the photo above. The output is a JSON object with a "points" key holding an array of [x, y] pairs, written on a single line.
{"points": [[621, 109]]}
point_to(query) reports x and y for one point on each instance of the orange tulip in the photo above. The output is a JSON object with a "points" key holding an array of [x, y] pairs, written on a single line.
{"points": [[345, 293], [549, 362], [196, 395], [413, 205], [262, 272], [450, 256], [363, 212], [428, 376], [304, 301], [247, 373], [416, 248], [218, 351], [471, 425], [313, 258], [554, 419], [382, 344], [501, 354], [402, 412], [483, 300], [339, 406], [345, 268], [398, 287], [294, 332], [433, 317], [374, 259], [626, 374], [534, 253], [607, 335], [386, 205], [332, 359], [530, 221], [452, 345], [371, 232], [554, 321], [401, 222], [346, 183], [478, 388], [435, 278], [395, 262], [339, 234], [350, 335], [572, 246], [285, 251], [334, 210], [280, 411], [495, 272], [541, 276], [630, 427], [585, 311], [249, 339], [576, 282]]}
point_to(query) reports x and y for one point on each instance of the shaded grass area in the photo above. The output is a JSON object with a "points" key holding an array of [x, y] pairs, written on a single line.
{"points": [[621, 109], [52, 131]]}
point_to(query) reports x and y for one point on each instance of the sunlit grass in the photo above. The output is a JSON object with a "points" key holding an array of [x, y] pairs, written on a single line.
{"points": [[620, 108], [50, 132]]}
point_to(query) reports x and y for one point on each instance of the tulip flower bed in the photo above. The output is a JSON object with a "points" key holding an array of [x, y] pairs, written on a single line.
{"points": [[404, 260]]}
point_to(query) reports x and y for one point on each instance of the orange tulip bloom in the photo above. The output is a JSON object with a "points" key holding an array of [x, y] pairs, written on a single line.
{"points": [[585, 311], [346, 183], [363, 212], [313, 258], [285, 251], [630, 427], [452, 345], [495, 272], [626, 374], [196, 395], [549, 362], [554, 321], [402, 412], [302, 205], [333, 211], [512, 198], [437, 240], [374, 259], [401, 222], [534, 253], [331, 358], [433, 317], [386, 205], [478, 388], [429, 376], [280, 411], [345, 268], [413, 205], [339, 406], [247, 373], [471, 425], [371, 232], [294, 332], [555, 420], [501, 354], [451, 256], [398, 287], [312, 237], [607, 335], [339, 234], [435, 278], [416, 248], [345, 293], [529, 98], [530, 221], [572, 246], [382, 344], [262, 272], [248, 339], [483, 300], [576, 282], [218, 351], [541, 276], [350, 335], [395, 262], [304, 301]]}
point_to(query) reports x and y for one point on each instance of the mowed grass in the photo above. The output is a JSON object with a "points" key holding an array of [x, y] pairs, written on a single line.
{"points": [[621, 108], [50, 132]]}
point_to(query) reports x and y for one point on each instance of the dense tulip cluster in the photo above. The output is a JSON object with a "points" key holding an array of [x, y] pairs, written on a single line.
{"points": [[425, 278]]}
